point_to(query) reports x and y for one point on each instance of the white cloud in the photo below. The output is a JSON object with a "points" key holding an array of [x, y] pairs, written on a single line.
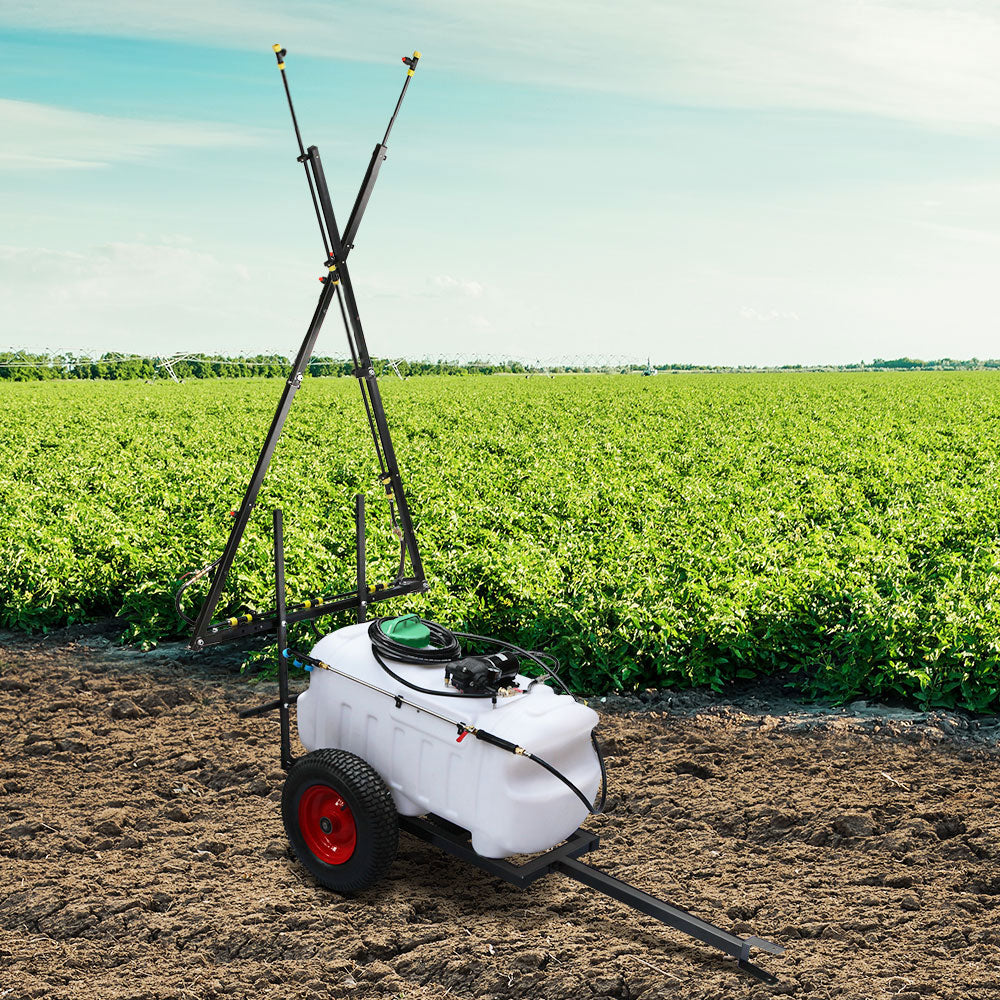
{"points": [[163, 296], [446, 283], [768, 315], [910, 59], [38, 136], [146, 298]]}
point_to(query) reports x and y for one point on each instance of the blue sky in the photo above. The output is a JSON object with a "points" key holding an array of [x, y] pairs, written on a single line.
{"points": [[787, 181]]}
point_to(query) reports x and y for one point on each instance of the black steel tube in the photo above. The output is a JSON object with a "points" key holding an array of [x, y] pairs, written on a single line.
{"points": [[371, 175], [399, 104], [359, 530], [268, 706], [364, 194], [204, 618], [279, 598], [346, 602], [291, 108], [336, 247], [674, 917]]}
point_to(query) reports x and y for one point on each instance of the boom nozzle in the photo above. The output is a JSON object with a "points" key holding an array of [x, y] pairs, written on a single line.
{"points": [[280, 54]]}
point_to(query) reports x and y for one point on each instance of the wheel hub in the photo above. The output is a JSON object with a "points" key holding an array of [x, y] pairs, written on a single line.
{"points": [[327, 824]]}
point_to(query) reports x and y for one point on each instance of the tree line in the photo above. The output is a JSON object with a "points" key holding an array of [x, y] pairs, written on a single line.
{"points": [[20, 366]]}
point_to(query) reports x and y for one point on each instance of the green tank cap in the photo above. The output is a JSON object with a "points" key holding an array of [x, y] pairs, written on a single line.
{"points": [[408, 630]]}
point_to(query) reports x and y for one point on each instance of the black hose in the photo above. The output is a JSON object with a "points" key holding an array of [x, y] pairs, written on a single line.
{"points": [[501, 743], [193, 577], [562, 777], [414, 687], [443, 648], [443, 645], [604, 774]]}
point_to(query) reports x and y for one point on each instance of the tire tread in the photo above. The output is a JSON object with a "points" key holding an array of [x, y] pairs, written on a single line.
{"points": [[348, 771]]}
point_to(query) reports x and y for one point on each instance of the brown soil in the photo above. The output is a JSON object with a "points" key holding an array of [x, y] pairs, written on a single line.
{"points": [[142, 855]]}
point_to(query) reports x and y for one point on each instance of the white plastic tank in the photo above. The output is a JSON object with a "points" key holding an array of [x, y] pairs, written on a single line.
{"points": [[510, 804]]}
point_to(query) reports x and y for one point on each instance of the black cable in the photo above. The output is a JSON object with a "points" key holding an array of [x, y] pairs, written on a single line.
{"points": [[347, 328], [193, 577], [374, 432], [371, 424], [400, 573], [534, 657], [414, 687]]}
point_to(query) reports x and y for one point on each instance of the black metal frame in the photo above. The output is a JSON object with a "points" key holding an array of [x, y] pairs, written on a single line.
{"points": [[563, 859], [337, 284]]}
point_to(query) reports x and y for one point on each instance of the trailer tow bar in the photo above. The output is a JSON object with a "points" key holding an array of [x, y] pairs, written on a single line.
{"points": [[564, 860], [672, 916]]}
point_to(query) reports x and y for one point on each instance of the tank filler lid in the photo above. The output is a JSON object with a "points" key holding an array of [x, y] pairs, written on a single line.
{"points": [[409, 630]]}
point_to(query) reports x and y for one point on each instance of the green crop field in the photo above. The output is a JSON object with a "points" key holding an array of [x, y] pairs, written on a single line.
{"points": [[841, 531]]}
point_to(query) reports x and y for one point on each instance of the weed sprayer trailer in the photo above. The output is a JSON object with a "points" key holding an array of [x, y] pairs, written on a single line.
{"points": [[391, 703]]}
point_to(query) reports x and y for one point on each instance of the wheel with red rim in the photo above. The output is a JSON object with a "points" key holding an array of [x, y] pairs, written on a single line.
{"points": [[327, 824], [340, 819]]}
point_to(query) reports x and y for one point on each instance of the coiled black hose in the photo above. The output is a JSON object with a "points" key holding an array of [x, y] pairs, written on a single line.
{"points": [[443, 645]]}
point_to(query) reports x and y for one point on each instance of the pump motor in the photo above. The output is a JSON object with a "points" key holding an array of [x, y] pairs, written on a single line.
{"points": [[483, 674]]}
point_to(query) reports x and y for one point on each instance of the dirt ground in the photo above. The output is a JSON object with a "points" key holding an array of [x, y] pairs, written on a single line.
{"points": [[142, 854]]}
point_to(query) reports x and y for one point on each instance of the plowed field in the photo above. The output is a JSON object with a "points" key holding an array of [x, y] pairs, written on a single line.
{"points": [[142, 856]]}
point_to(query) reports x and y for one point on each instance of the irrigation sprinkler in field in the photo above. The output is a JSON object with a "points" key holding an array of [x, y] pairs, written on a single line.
{"points": [[461, 740]]}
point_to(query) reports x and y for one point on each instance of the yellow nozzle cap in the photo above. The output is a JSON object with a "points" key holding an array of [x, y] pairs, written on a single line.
{"points": [[416, 55], [276, 47]]}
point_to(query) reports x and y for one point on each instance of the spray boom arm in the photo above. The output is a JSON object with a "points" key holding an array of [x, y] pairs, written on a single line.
{"points": [[336, 284]]}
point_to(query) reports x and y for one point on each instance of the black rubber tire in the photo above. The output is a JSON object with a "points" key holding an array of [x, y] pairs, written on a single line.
{"points": [[370, 802]]}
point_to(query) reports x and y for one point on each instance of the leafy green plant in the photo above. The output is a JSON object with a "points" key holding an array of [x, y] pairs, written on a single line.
{"points": [[838, 531]]}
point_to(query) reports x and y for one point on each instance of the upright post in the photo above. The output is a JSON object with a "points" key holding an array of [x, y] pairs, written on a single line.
{"points": [[279, 596], [359, 528]]}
